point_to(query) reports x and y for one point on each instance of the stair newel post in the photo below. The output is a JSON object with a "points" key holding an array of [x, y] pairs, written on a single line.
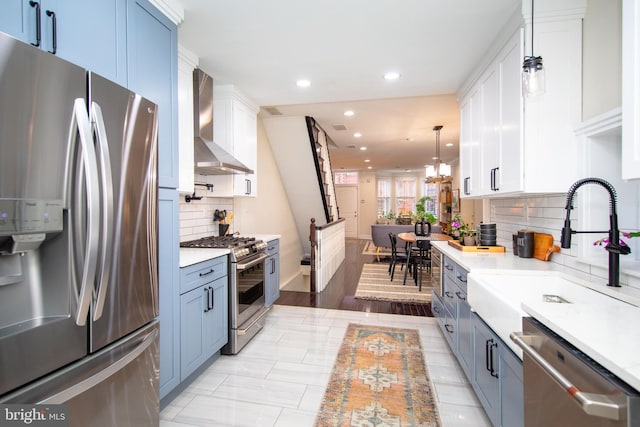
{"points": [[312, 259]]}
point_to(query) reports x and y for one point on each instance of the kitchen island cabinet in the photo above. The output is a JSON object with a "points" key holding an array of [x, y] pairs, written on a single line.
{"points": [[89, 34], [272, 273]]}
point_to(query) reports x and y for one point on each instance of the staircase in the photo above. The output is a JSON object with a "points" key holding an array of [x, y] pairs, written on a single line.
{"points": [[300, 148]]}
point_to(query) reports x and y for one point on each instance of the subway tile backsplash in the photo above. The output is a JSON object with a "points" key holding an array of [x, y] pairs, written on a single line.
{"points": [[545, 214], [196, 217]]}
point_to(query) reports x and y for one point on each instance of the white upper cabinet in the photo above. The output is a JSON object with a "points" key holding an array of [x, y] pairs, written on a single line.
{"points": [[513, 144], [630, 89], [235, 129]]}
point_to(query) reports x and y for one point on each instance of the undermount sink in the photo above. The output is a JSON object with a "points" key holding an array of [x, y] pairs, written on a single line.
{"points": [[498, 297]]}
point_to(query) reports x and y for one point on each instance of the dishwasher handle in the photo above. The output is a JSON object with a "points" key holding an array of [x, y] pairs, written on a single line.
{"points": [[597, 405]]}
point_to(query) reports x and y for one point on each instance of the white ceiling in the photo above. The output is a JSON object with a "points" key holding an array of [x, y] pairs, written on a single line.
{"points": [[344, 47]]}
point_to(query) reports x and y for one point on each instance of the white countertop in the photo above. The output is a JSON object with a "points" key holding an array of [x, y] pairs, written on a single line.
{"points": [[190, 256], [602, 326]]}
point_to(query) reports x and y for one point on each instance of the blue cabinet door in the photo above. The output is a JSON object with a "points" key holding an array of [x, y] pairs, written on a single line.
{"points": [[511, 388], [169, 280], [152, 71], [272, 273], [192, 328], [89, 34], [216, 320], [486, 368], [14, 19], [465, 335]]}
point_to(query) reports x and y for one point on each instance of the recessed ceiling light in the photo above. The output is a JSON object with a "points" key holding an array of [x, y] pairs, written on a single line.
{"points": [[367, 160], [449, 144], [363, 148], [369, 167], [392, 75], [348, 113], [303, 83], [357, 135], [434, 158]]}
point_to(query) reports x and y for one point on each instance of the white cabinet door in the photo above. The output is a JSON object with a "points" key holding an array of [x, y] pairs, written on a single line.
{"points": [[490, 133], [510, 176], [630, 89], [235, 130]]}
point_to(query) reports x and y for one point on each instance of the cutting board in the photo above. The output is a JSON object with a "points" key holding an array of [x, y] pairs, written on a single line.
{"points": [[543, 246], [456, 244]]}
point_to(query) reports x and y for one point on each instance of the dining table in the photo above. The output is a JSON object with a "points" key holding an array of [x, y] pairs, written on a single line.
{"points": [[410, 238]]}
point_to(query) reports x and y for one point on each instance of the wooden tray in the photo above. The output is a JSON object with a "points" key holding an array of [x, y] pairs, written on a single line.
{"points": [[464, 248]]}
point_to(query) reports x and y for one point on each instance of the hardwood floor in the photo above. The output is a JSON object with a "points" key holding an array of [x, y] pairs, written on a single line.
{"points": [[339, 293]]}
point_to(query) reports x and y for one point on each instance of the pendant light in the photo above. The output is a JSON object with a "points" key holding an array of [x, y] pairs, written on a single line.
{"points": [[532, 69], [441, 171]]}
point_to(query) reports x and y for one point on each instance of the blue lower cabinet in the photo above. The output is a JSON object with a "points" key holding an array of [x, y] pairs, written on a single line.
{"points": [[272, 273], [203, 319], [486, 371], [169, 283], [511, 389]]}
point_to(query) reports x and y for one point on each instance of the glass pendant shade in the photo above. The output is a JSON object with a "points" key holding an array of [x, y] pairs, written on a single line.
{"points": [[533, 76], [445, 169], [430, 172]]}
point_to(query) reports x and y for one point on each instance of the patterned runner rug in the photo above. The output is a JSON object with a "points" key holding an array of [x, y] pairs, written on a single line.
{"points": [[380, 380], [374, 284]]}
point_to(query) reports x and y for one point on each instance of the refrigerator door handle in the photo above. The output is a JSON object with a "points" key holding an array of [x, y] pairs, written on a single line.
{"points": [[106, 211], [103, 374], [152, 218], [80, 124]]}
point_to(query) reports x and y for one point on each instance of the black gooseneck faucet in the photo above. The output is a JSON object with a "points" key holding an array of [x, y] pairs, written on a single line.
{"points": [[613, 247]]}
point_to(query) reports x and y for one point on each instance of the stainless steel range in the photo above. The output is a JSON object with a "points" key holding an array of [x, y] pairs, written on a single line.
{"points": [[246, 285]]}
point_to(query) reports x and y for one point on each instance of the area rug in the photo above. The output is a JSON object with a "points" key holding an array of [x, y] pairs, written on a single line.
{"points": [[379, 380], [371, 249], [374, 284]]}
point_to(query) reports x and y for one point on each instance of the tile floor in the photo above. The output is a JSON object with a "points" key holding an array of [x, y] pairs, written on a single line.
{"points": [[279, 378]]}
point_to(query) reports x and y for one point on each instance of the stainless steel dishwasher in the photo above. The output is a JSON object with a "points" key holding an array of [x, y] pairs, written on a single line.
{"points": [[564, 387]]}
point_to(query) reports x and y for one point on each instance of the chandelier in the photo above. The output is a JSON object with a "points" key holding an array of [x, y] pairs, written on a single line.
{"points": [[440, 172]]}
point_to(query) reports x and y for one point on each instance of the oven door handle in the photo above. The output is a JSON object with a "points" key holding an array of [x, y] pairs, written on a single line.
{"points": [[244, 266], [598, 405]]}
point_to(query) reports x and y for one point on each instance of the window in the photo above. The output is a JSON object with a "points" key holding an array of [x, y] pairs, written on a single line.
{"points": [[384, 196], [346, 178], [431, 206], [405, 195]]}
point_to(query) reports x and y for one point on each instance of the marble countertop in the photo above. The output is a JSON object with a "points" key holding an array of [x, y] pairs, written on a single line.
{"points": [[604, 329], [190, 256]]}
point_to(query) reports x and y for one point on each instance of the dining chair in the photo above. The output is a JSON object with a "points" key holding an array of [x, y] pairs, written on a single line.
{"points": [[397, 255], [419, 259]]}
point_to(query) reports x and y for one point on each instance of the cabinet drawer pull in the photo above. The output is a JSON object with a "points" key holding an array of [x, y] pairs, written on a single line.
{"points": [[38, 23], [54, 30], [449, 328], [207, 306], [448, 294], [207, 273], [461, 296]]}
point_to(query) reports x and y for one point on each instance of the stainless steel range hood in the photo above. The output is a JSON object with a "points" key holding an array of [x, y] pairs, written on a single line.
{"points": [[209, 157]]}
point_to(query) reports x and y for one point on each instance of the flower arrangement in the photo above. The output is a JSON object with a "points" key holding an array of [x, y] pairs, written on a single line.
{"points": [[458, 226], [628, 235]]}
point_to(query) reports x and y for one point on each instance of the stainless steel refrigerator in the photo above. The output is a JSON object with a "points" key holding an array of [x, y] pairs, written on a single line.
{"points": [[78, 241]]}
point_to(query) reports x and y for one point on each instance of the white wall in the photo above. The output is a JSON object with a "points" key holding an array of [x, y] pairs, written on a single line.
{"points": [[270, 213], [196, 217]]}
